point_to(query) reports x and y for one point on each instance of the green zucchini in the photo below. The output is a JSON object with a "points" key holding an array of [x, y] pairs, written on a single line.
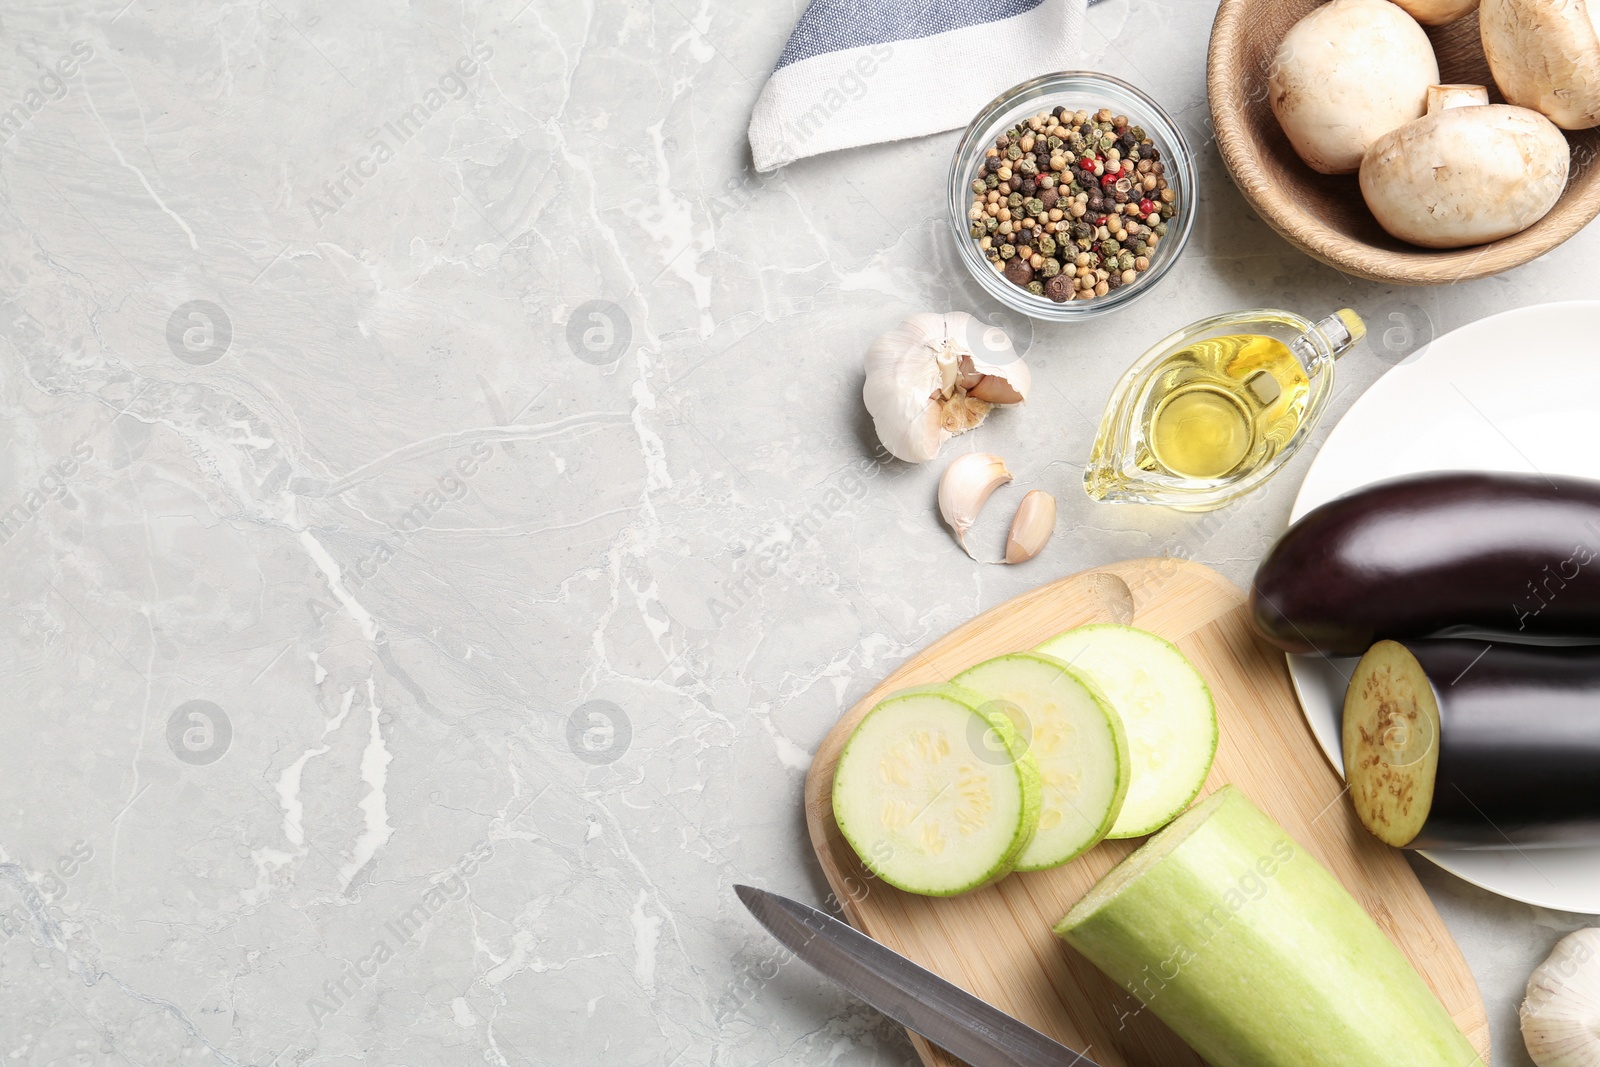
{"points": [[1249, 950], [936, 793], [1166, 709], [1076, 738]]}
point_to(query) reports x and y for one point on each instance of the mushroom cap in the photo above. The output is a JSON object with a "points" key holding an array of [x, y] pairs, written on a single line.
{"points": [[1545, 54], [1347, 73], [1437, 12], [1465, 175]]}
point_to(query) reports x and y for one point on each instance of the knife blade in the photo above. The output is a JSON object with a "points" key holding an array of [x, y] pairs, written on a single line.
{"points": [[913, 996]]}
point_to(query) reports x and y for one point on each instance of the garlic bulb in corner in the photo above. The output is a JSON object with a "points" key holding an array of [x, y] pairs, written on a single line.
{"points": [[934, 376], [1561, 1015]]}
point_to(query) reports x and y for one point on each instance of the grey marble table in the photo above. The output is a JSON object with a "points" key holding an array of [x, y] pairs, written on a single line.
{"points": [[400, 663]]}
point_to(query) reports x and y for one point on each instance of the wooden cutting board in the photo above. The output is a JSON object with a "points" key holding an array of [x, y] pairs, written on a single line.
{"points": [[996, 942]]}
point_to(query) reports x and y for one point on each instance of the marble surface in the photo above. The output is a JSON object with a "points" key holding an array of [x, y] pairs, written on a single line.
{"points": [[441, 520]]}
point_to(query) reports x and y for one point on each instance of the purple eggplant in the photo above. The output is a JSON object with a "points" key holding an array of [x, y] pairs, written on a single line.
{"points": [[1467, 744], [1506, 554]]}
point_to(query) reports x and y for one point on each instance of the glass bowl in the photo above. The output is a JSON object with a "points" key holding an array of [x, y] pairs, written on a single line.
{"points": [[1074, 89]]}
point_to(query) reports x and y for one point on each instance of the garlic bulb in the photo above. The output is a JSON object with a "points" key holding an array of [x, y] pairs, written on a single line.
{"points": [[1561, 1015], [966, 484], [1031, 527], [934, 376]]}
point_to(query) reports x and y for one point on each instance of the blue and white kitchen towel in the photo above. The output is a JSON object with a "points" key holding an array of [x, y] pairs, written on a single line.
{"points": [[861, 72]]}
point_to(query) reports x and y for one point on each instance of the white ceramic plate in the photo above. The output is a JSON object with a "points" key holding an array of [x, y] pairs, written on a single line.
{"points": [[1518, 391]]}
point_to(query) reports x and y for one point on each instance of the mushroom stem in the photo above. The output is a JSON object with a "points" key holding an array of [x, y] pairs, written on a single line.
{"points": [[1444, 97]]}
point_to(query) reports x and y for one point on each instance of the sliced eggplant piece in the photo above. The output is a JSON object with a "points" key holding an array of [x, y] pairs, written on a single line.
{"points": [[1463, 744], [1506, 554]]}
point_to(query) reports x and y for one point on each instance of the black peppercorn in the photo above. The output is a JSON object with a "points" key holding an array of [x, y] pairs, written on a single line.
{"points": [[1028, 187]]}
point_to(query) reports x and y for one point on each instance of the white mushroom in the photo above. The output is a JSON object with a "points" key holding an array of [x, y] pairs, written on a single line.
{"points": [[1437, 12], [1466, 173], [1347, 74], [1545, 54]]}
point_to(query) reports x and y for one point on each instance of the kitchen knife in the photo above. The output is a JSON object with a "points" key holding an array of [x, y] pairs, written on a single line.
{"points": [[913, 996]]}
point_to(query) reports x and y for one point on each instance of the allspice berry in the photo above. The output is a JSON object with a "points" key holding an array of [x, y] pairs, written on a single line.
{"points": [[1019, 271], [1059, 288]]}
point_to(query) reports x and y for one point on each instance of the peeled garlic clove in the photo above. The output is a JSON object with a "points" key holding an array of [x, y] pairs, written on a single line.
{"points": [[967, 483], [1561, 1015], [1032, 526], [934, 376]]}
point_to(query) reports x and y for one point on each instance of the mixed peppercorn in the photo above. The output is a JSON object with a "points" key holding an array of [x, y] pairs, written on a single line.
{"points": [[1070, 205]]}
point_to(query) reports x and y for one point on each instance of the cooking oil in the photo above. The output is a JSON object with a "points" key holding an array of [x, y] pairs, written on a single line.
{"points": [[1215, 409], [1223, 403]]}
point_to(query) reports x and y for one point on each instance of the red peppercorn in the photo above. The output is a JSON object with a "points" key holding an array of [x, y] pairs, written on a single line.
{"points": [[1146, 206], [1101, 221], [1108, 179]]}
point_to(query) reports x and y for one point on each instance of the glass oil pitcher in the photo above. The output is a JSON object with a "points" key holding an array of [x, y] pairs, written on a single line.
{"points": [[1214, 410]]}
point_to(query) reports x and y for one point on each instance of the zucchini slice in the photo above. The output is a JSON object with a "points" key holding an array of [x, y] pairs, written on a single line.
{"points": [[936, 793], [1078, 741], [1166, 709]]}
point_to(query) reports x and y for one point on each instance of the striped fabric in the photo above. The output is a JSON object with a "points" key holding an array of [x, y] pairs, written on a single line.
{"points": [[858, 72]]}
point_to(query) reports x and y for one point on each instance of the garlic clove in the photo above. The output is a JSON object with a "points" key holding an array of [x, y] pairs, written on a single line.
{"points": [[1032, 526], [934, 376], [1561, 1015], [994, 390], [965, 486], [993, 355]]}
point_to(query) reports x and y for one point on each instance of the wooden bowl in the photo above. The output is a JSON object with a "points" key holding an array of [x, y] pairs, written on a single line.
{"points": [[1323, 215]]}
